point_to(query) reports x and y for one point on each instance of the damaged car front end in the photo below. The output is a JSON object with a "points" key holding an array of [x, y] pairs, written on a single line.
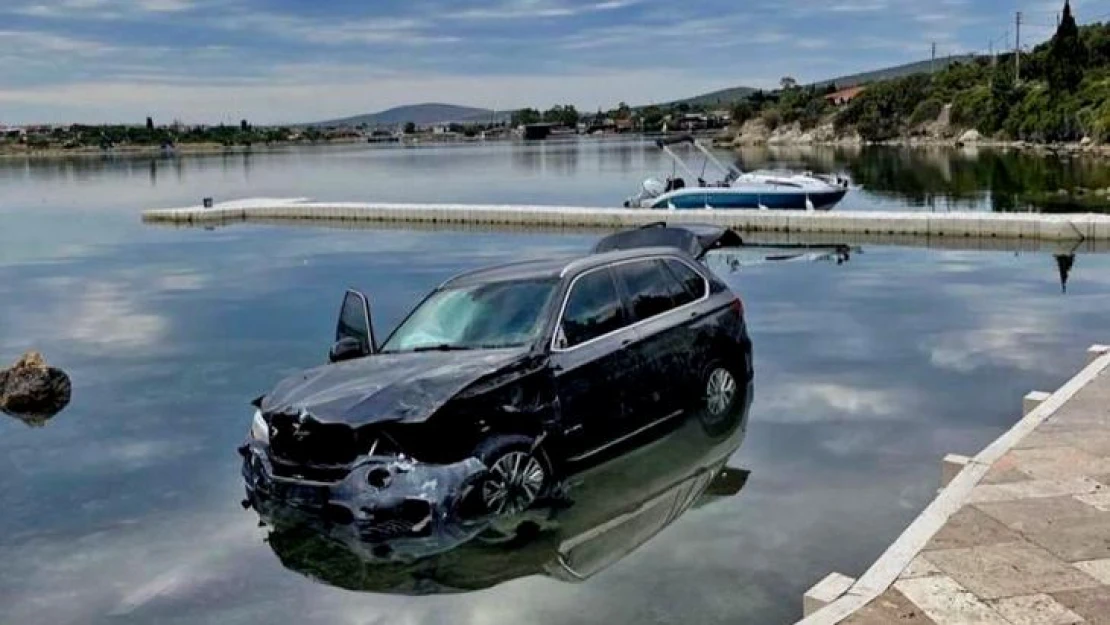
{"points": [[393, 455], [393, 440], [376, 495]]}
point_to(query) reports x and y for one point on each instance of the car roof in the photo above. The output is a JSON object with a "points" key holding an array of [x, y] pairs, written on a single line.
{"points": [[553, 267], [525, 270]]}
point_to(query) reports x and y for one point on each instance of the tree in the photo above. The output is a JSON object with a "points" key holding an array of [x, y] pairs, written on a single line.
{"points": [[244, 126], [410, 128], [787, 83], [652, 118], [1067, 55], [526, 116], [150, 123], [742, 111], [565, 115]]}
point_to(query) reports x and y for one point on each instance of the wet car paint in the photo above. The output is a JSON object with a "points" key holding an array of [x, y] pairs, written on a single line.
{"points": [[577, 402]]}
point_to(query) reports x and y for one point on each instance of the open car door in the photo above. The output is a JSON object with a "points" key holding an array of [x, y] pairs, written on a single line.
{"points": [[354, 332]]}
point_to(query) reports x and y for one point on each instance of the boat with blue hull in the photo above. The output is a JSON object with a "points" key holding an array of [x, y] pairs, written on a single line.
{"points": [[764, 190]]}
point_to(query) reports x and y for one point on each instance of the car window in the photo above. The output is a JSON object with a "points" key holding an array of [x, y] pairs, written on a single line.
{"points": [[651, 289], [497, 314], [593, 308], [690, 279]]}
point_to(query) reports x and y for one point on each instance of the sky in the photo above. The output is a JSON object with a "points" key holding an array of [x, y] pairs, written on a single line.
{"points": [[286, 61]]}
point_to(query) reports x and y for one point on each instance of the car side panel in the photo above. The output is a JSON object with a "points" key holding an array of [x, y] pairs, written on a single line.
{"points": [[591, 382]]}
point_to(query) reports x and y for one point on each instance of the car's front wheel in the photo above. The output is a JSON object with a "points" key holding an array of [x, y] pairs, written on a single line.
{"points": [[516, 475]]}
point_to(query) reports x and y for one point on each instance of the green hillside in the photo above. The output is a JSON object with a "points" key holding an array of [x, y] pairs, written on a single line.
{"points": [[1062, 94], [723, 97], [899, 71]]}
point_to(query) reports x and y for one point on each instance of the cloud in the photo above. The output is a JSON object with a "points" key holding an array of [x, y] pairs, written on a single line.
{"points": [[102, 314], [814, 401], [102, 9], [355, 92], [539, 9], [331, 32], [483, 52], [858, 6], [31, 43]]}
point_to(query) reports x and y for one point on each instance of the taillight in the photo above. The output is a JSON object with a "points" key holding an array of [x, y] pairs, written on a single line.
{"points": [[737, 307]]}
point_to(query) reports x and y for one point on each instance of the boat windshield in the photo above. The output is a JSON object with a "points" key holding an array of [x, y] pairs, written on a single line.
{"points": [[480, 316]]}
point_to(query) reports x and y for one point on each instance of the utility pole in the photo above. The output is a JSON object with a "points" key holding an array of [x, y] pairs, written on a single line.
{"points": [[933, 61], [994, 63], [1017, 49]]}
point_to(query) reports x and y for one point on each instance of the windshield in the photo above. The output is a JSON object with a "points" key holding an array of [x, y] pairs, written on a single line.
{"points": [[499, 314]]}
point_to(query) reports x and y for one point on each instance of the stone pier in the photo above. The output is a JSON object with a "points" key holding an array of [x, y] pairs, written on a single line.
{"points": [[1020, 535]]}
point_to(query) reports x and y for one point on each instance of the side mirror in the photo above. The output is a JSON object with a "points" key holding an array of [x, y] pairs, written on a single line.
{"points": [[354, 332], [346, 348]]}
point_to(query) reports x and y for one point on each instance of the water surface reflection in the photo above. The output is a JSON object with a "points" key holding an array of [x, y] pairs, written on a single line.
{"points": [[600, 516], [125, 507]]}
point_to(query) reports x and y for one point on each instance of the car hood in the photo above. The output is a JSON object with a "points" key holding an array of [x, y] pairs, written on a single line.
{"points": [[404, 387]]}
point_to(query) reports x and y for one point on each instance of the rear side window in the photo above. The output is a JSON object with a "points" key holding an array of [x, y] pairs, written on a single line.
{"points": [[652, 290], [691, 280], [593, 308]]}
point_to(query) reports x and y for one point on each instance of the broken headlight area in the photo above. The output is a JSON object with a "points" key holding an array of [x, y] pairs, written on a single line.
{"points": [[385, 481], [377, 501]]}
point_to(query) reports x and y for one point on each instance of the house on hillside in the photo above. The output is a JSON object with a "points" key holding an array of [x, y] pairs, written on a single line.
{"points": [[693, 121], [12, 132], [844, 96]]}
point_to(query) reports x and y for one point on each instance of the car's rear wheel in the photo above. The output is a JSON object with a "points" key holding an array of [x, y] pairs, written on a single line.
{"points": [[721, 395], [721, 391], [516, 477]]}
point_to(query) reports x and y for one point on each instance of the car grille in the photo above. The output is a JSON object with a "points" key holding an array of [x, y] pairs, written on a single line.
{"points": [[297, 442]]}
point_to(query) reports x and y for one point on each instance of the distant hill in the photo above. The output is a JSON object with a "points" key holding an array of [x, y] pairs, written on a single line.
{"points": [[723, 97], [897, 71], [420, 114], [726, 97]]}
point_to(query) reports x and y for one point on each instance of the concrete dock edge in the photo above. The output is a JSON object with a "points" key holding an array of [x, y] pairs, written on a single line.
{"points": [[886, 569]]}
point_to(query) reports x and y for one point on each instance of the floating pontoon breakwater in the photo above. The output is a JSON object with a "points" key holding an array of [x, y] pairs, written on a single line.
{"points": [[975, 244], [1033, 226]]}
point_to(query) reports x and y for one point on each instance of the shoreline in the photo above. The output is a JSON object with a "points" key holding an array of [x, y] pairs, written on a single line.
{"points": [[733, 142], [755, 133], [153, 151], [1074, 148]]}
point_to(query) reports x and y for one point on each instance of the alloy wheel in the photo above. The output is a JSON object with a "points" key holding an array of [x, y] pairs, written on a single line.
{"points": [[513, 483], [719, 391]]}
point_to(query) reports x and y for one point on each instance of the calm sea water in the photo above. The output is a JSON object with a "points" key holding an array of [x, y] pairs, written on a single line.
{"points": [[125, 507]]}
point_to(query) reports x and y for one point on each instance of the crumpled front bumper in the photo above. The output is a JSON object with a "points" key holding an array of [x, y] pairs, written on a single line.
{"points": [[381, 499]]}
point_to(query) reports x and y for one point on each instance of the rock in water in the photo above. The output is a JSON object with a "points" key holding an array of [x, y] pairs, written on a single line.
{"points": [[32, 391], [971, 136]]}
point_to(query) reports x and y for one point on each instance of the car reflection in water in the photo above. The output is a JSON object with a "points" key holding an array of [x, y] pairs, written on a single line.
{"points": [[597, 516]]}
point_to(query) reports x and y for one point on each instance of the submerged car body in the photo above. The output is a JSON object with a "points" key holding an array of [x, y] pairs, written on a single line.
{"points": [[500, 382], [601, 515]]}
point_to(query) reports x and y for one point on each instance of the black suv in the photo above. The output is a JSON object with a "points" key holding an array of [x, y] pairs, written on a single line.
{"points": [[503, 380]]}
